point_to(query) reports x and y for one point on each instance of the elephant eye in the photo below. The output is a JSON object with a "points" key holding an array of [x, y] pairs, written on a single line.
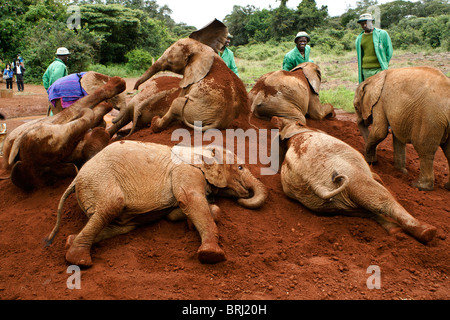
{"points": [[240, 167]]}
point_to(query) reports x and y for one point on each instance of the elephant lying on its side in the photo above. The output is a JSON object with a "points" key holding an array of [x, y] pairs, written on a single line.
{"points": [[327, 175], [153, 100], [49, 147], [211, 92], [290, 94], [415, 103], [127, 179], [75, 86]]}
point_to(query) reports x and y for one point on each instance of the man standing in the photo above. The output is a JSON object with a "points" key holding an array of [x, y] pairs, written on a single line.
{"points": [[57, 69], [228, 56], [19, 70], [373, 48], [299, 54]]}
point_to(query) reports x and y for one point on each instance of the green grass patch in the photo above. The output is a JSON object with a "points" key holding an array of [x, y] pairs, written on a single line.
{"points": [[340, 98]]}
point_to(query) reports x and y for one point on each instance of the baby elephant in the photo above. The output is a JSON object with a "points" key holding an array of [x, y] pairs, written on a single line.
{"points": [[327, 175], [127, 179]]}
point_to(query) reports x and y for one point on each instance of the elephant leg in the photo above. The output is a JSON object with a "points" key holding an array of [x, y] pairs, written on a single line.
{"points": [[80, 245], [426, 174], [174, 112], [378, 133], [113, 230], [317, 111], [446, 148], [178, 214], [399, 154], [192, 200]]}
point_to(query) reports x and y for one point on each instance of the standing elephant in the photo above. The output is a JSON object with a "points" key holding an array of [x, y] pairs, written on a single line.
{"points": [[290, 94], [211, 92], [152, 179], [66, 90], [415, 103], [327, 175], [153, 100], [51, 146]]}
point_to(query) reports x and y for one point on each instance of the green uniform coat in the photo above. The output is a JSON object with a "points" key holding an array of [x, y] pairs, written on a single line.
{"points": [[57, 69], [293, 58], [228, 57], [383, 49]]}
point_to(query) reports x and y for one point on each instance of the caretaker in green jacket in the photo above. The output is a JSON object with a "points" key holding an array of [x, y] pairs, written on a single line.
{"points": [[228, 56], [299, 54], [373, 47], [57, 69]]}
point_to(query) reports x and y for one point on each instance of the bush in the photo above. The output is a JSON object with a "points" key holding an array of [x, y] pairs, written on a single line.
{"points": [[139, 59]]}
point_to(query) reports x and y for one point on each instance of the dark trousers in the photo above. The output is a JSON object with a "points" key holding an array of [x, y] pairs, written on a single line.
{"points": [[8, 83], [19, 80]]}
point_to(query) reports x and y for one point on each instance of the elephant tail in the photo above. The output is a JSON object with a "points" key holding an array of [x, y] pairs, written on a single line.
{"points": [[204, 128], [326, 194], [49, 239]]}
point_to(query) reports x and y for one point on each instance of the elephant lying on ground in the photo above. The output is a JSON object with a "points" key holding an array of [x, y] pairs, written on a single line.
{"points": [[66, 90], [327, 175], [290, 94], [49, 147], [415, 103], [152, 179], [211, 92], [153, 100]]}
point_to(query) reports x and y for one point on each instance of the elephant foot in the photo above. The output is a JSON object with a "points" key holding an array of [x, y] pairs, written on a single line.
{"points": [[77, 255], [423, 232], [156, 124], [210, 253], [429, 186]]}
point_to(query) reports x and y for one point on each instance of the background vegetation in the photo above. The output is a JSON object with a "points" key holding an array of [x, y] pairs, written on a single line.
{"points": [[121, 37]]}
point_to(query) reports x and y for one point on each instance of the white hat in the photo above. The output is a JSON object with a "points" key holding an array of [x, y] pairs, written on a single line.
{"points": [[62, 51], [365, 17], [302, 34]]}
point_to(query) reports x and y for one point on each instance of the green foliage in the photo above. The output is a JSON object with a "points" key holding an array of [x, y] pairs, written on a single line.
{"points": [[340, 98], [40, 44], [138, 59]]}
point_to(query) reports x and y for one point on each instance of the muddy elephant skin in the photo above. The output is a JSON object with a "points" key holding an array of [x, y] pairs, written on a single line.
{"points": [[327, 175], [414, 104], [148, 181]]}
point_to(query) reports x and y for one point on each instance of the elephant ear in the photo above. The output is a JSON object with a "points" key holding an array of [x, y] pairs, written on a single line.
{"points": [[208, 159], [213, 35], [200, 62], [287, 127], [368, 93], [312, 73]]}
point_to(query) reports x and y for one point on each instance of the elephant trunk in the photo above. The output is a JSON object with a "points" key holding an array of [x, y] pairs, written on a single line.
{"points": [[259, 193], [154, 69], [372, 196]]}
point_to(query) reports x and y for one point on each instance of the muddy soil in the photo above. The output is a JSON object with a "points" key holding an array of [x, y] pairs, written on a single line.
{"points": [[282, 251]]}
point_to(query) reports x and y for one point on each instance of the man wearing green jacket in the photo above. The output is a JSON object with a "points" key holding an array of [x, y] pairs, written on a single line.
{"points": [[373, 48], [299, 54], [57, 69], [228, 56]]}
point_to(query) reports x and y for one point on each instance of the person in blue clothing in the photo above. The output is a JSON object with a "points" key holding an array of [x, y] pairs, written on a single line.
{"points": [[8, 73]]}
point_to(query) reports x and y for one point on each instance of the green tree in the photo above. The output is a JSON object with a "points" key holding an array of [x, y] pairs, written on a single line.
{"points": [[309, 16]]}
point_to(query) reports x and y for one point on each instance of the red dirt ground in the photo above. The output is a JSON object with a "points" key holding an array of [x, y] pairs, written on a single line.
{"points": [[279, 252]]}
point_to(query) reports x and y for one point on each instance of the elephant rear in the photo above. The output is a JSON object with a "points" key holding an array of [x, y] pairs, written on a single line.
{"points": [[128, 170]]}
